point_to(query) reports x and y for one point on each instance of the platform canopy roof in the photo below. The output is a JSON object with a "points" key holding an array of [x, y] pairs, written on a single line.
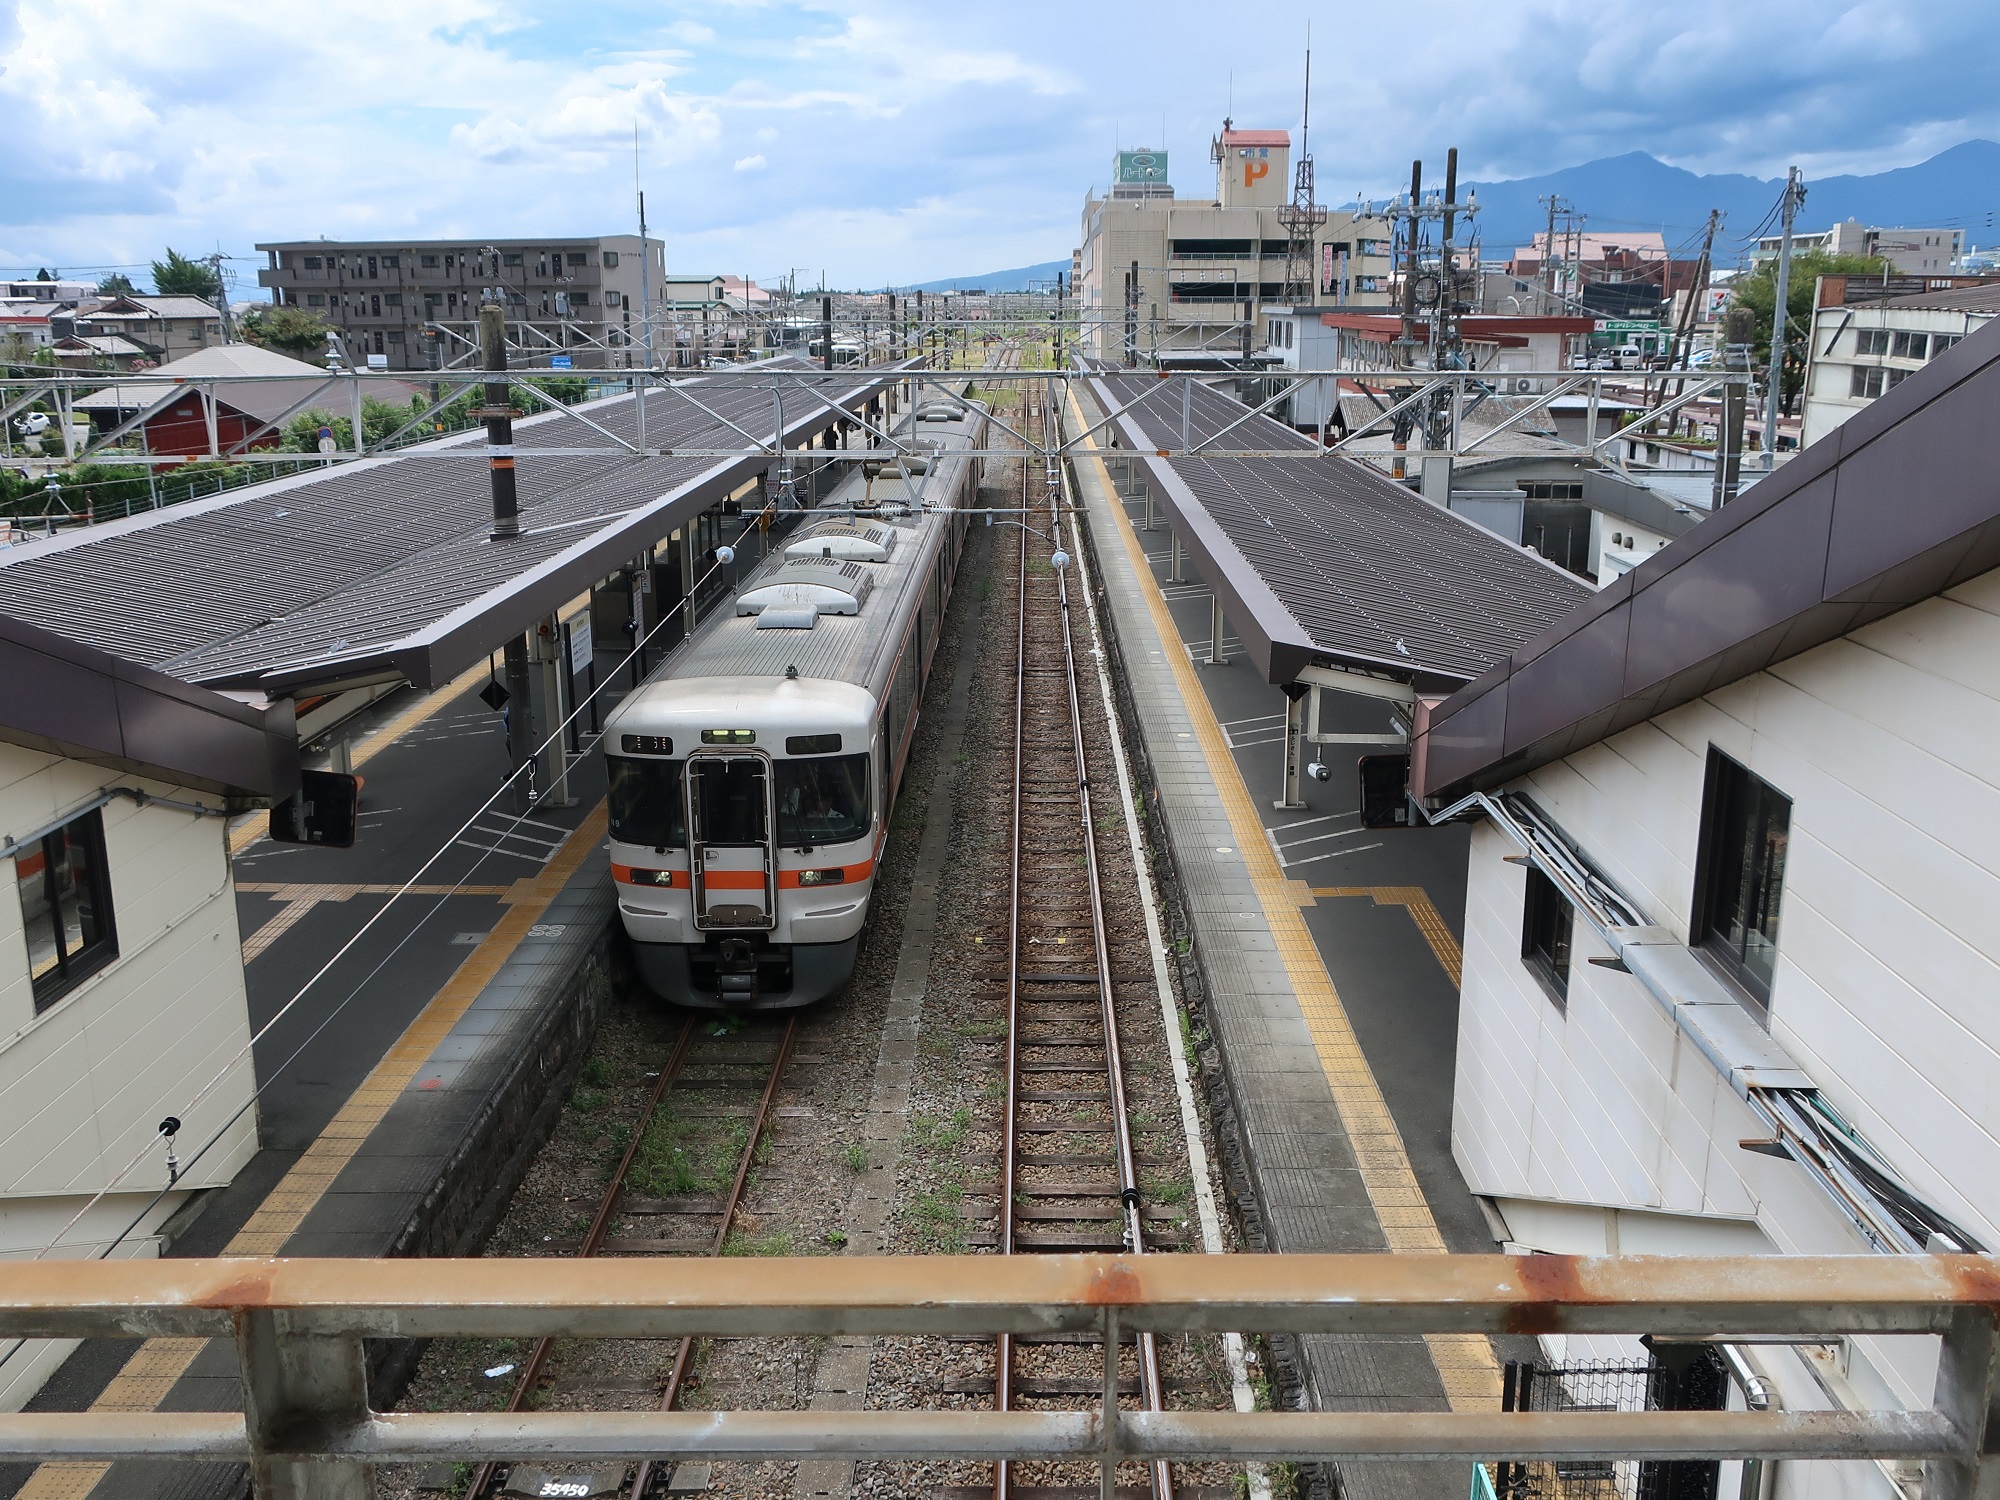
{"points": [[1323, 561], [1893, 507], [383, 567]]}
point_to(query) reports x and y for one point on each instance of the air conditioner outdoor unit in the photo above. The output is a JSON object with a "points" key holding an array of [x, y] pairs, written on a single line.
{"points": [[1523, 386]]}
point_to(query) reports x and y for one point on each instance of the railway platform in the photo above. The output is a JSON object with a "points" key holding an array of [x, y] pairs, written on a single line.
{"points": [[1330, 959]]}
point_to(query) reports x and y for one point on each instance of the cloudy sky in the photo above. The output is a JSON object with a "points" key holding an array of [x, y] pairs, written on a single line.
{"points": [[887, 141]]}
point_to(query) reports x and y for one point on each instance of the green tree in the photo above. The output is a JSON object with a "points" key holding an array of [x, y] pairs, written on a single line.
{"points": [[177, 276], [117, 284], [379, 419], [289, 330], [1757, 294]]}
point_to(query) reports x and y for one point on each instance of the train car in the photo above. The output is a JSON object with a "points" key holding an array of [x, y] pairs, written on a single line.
{"points": [[753, 774]]}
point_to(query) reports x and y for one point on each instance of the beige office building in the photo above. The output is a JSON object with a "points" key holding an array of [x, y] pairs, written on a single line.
{"points": [[1207, 267]]}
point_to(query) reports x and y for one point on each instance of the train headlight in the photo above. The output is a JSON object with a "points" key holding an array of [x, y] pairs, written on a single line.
{"points": [[822, 877]]}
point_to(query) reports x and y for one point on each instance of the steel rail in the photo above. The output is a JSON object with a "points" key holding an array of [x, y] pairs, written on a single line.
{"points": [[677, 1375], [486, 1477], [1003, 1365], [1130, 1206], [1128, 1172]]}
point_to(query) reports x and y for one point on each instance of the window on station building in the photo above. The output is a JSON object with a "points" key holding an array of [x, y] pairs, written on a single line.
{"points": [[1872, 341], [313, 262], [1739, 878], [578, 258], [315, 299], [65, 894], [1547, 926], [512, 259], [1907, 345], [610, 260], [392, 262], [427, 262]]}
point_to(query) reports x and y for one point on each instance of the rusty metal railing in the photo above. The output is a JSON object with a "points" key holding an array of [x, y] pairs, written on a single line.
{"points": [[298, 1326]]}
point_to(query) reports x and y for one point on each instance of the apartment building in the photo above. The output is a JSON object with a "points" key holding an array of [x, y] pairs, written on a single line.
{"points": [[1729, 949], [1207, 267], [414, 304], [1861, 351], [159, 328], [1919, 251], [122, 999]]}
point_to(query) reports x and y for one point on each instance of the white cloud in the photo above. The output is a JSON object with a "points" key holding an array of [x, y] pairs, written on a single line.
{"points": [[893, 140]]}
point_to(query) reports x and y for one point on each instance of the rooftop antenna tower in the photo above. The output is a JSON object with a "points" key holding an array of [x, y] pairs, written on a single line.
{"points": [[1302, 217]]}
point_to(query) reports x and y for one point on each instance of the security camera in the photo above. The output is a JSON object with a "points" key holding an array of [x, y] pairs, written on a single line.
{"points": [[1319, 772]]}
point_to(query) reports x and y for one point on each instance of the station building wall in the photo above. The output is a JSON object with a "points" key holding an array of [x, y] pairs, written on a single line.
{"points": [[85, 1082], [1597, 1126]]}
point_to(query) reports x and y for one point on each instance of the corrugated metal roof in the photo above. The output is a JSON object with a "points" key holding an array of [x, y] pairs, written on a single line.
{"points": [[382, 562], [1322, 556]]}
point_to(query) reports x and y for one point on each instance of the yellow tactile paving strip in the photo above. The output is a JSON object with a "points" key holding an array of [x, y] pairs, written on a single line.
{"points": [[154, 1367], [1465, 1362], [1417, 902]]}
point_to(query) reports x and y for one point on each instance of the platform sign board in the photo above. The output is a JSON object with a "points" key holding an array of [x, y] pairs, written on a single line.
{"points": [[561, 362], [1142, 166], [578, 631]]}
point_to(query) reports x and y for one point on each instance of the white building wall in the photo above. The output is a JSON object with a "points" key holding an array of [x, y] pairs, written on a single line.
{"points": [[84, 1085], [1835, 354], [1888, 970]]}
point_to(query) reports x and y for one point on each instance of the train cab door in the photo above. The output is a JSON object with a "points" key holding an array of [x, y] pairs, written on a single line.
{"points": [[729, 836]]}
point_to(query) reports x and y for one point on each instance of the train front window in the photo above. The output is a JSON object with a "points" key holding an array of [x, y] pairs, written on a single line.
{"points": [[823, 801], [729, 799], [646, 804]]}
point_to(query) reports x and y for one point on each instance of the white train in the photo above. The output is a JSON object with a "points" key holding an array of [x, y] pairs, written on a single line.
{"points": [[753, 774]]}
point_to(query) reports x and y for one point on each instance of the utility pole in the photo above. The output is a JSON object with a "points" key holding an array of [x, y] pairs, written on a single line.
{"points": [[1548, 266], [645, 293], [1795, 194], [825, 330], [1132, 316], [1677, 352], [1410, 254], [214, 264]]}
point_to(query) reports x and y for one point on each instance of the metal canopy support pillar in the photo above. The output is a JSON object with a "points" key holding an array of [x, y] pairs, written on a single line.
{"points": [[521, 724], [1292, 796], [298, 1387], [1968, 1396], [1152, 510], [551, 666], [1214, 628], [1176, 570]]}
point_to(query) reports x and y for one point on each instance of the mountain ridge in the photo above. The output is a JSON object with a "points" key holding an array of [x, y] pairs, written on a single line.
{"points": [[1958, 188]]}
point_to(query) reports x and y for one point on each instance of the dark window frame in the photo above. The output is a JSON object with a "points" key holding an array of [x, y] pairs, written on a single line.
{"points": [[1548, 936], [1735, 801], [94, 952]]}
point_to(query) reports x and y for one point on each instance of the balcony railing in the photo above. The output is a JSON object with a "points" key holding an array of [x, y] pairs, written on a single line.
{"points": [[298, 1327]]}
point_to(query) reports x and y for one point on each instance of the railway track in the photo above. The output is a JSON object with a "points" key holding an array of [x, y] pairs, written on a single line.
{"points": [[1069, 1169], [678, 1184]]}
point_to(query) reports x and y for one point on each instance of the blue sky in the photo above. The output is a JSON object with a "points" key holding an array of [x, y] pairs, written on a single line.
{"points": [[884, 141]]}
